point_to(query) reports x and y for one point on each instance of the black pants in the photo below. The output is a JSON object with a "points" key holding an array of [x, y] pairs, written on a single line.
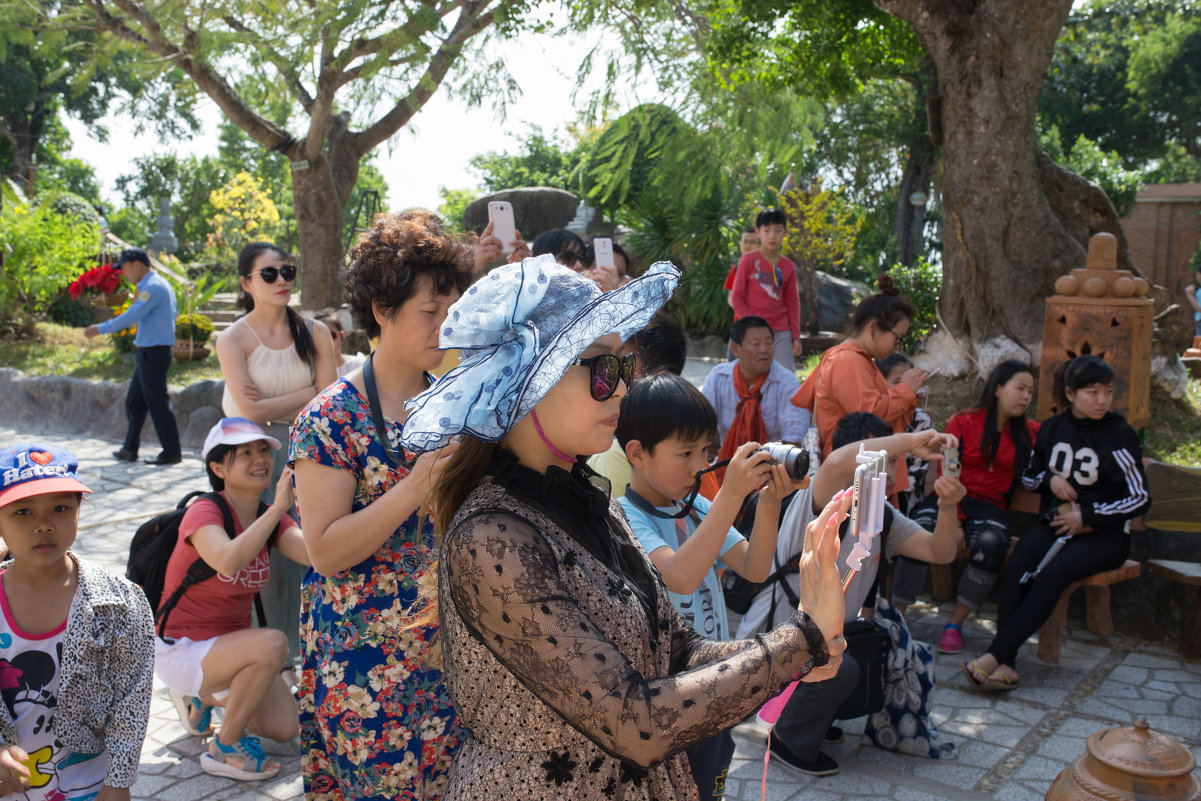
{"points": [[1025, 607], [986, 530], [710, 762], [148, 393], [812, 709]]}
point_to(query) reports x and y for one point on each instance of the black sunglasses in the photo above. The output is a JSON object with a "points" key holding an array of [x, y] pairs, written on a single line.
{"points": [[269, 274], [605, 370]]}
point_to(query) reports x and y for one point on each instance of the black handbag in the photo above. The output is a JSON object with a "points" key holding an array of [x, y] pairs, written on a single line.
{"points": [[869, 645]]}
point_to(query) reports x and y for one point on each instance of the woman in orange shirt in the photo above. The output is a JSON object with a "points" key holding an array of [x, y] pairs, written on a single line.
{"points": [[847, 380]]}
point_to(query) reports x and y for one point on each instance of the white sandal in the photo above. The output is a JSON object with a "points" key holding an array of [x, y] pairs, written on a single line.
{"points": [[251, 753], [195, 717]]}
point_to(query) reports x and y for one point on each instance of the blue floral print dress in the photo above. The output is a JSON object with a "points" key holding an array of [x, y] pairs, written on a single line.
{"points": [[375, 718]]}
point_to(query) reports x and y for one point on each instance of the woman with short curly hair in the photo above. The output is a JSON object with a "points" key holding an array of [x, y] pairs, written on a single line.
{"points": [[375, 718]]}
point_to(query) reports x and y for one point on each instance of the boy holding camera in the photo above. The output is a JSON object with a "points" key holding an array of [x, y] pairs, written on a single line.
{"points": [[665, 427]]}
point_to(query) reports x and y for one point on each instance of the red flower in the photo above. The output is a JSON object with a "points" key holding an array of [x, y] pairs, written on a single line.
{"points": [[102, 280]]}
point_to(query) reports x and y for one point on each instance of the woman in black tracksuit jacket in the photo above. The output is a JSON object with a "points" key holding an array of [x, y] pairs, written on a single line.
{"points": [[1087, 464]]}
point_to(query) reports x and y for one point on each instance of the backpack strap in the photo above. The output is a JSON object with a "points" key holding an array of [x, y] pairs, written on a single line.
{"points": [[200, 570]]}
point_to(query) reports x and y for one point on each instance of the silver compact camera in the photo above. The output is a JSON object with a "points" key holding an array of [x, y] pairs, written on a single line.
{"points": [[794, 459]]}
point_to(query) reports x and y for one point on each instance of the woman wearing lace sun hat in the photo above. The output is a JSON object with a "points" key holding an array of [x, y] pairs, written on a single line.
{"points": [[561, 651]]}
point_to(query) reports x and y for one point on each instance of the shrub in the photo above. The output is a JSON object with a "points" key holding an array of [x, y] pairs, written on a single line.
{"points": [[66, 311], [44, 251], [921, 282], [195, 327]]}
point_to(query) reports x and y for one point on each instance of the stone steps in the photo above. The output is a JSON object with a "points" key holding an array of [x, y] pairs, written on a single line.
{"points": [[222, 309]]}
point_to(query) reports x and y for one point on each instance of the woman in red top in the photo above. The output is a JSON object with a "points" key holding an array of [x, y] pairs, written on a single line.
{"points": [[995, 439], [209, 654], [847, 380]]}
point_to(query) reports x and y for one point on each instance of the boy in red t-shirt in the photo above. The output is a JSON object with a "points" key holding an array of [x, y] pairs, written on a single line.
{"points": [[765, 285], [210, 654]]}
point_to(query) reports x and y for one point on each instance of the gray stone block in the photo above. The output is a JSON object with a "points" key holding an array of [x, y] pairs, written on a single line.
{"points": [[77, 406]]}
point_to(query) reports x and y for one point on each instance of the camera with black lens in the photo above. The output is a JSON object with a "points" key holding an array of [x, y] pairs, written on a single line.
{"points": [[794, 459]]}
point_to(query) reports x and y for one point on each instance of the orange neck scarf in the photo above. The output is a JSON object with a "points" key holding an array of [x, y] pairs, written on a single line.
{"points": [[748, 425]]}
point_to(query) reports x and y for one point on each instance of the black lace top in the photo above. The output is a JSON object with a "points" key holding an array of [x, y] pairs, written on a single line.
{"points": [[564, 658]]}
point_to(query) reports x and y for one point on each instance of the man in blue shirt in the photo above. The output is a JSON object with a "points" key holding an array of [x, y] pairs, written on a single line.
{"points": [[153, 311]]}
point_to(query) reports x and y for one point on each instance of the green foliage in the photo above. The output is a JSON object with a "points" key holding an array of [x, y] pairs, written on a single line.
{"points": [[818, 48], [74, 313], [696, 237], [193, 326], [1104, 169], [202, 290], [44, 250], [1173, 434], [1127, 75], [539, 161], [921, 283], [187, 181], [454, 204], [632, 154], [1164, 74]]}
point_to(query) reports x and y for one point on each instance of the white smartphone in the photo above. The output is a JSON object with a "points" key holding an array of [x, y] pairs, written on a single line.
{"points": [[504, 227], [602, 247]]}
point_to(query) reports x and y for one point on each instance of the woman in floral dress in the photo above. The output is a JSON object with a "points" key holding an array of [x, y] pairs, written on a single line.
{"points": [[375, 717]]}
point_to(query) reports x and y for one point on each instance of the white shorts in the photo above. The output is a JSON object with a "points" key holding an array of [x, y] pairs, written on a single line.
{"points": [[178, 664]]}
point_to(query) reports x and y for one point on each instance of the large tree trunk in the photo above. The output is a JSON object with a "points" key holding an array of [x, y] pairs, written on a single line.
{"points": [[1005, 240], [921, 162], [319, 193], [319, 225], [24, 134]]}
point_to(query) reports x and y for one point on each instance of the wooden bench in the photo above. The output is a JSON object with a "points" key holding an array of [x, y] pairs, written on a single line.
{"points": [[1187, 573], [1176, 506], [1099, 620]]}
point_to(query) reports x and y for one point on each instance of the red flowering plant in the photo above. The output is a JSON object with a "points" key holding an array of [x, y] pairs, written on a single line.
{"points": [[102, 280]]}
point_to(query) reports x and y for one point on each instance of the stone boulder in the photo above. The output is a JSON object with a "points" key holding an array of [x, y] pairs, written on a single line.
{"points": [[535, 209], [836, 301]]}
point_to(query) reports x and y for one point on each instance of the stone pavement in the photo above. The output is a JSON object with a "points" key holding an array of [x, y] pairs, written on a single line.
{"points": [[1010, 747]]}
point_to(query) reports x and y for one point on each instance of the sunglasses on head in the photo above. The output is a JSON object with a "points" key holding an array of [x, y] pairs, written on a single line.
{"points": [[605, 370], [269, 274]]}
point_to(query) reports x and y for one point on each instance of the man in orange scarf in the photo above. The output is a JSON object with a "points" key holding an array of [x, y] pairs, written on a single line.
{"points": [[752, 394]]}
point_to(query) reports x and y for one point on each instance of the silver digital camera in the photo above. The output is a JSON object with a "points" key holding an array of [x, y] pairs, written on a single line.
{"points": [[794, 459]]}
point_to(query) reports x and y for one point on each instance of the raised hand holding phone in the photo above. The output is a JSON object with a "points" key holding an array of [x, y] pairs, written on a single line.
{"points": [[504, 226]]}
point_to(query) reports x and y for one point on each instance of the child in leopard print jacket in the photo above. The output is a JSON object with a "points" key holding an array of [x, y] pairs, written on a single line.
{"points": [[76, 644]]}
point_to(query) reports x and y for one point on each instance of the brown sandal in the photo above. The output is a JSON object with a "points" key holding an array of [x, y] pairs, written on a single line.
{"points": [[975, 676], [1000, 679]]}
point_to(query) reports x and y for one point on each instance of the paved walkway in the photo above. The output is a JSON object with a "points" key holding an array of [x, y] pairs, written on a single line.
{"points": [[1010, 747]]}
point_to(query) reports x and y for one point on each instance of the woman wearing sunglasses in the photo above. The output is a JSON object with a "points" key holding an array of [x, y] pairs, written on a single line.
{"points": [[568, 667], [274, 361]]}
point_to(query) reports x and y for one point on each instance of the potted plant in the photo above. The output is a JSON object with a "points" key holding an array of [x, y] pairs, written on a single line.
{"points": [[102, 284], [192, 332]]}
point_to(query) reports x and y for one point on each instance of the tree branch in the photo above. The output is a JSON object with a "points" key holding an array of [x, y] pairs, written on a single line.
{"points": [[469, 23], [291, 79], [260, 129], [416, 26]]}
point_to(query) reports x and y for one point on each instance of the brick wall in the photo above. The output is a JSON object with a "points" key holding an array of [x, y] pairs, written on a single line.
{"points": [[1163, 231]]}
